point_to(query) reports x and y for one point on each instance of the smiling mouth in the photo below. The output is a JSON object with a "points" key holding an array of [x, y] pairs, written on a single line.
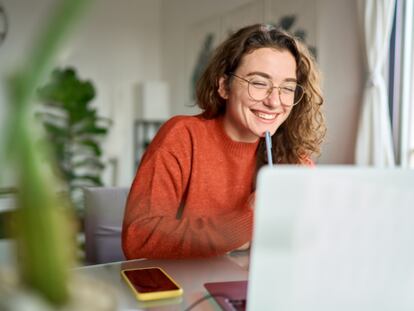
{"points": [[264, 116]]}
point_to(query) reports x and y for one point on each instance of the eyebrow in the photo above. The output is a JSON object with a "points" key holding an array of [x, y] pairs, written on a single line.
{"points": [[267, 76]]}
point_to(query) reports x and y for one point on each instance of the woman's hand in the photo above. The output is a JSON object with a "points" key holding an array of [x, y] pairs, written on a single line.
{"points": [[252, 201], [244, 247]]}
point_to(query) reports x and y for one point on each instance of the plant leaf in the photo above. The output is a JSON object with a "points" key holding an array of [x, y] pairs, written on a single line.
{"points": [[90, 162], [286, 22]]}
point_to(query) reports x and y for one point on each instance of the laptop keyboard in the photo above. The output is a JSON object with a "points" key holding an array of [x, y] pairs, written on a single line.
{"points": [[237, 304]]}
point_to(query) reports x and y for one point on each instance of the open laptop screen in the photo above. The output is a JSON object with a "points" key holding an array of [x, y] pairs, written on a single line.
{"points": [[333, 238]]}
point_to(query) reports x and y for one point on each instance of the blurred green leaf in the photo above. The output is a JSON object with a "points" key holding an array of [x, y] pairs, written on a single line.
{"points": [[89, 162], [56, 131], [88, 180], [44, 236], [91, 144]]}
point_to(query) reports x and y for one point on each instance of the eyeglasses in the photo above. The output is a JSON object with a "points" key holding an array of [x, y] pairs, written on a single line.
{"points": [[260, 88]]}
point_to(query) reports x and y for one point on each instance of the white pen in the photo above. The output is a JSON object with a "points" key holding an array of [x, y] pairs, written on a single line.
{"points": [[268, 139]]}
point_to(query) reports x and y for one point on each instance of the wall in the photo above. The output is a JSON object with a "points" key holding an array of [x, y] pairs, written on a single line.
{"points": [[339, 55], [178, 18], [342, 63], [116, 45], [24, 22], [121, 43]]}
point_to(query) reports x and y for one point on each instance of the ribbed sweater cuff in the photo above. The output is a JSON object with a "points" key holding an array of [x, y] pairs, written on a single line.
{"points": [[240, 230]]}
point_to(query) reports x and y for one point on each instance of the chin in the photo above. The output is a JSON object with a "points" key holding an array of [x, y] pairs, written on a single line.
{"points": [[261, 132], [260, 128]]}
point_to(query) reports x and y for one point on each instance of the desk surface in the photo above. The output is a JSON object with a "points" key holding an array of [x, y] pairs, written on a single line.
{"points": [[190, 274]]}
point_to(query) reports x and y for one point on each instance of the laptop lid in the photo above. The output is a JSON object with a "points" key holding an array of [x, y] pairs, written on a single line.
{"points": [[333, 238]]}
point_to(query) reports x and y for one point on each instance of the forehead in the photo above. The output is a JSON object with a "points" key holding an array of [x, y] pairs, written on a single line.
{"points": [[278, 64]]}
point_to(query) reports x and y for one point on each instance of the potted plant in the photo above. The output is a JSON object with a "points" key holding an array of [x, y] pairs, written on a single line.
{"points": [[74, 130]]}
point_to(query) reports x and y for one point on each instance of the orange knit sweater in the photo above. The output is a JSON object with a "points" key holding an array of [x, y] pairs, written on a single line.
{"points": [[191, 163]]}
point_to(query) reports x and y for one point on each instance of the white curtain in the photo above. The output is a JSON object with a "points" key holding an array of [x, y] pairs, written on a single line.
{"points": [[374, 139]]}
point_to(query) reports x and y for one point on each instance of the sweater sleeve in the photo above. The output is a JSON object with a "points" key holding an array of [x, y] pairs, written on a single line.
{"points": [[151, 228]]}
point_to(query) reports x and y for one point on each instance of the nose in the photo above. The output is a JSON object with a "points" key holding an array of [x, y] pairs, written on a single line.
{"points": [[273, 100]]}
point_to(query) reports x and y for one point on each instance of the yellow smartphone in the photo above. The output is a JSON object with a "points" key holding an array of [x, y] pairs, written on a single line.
{"points": [[151, 283]]}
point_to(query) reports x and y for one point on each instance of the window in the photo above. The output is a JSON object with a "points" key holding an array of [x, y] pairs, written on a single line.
{"points": [[402, 82]]}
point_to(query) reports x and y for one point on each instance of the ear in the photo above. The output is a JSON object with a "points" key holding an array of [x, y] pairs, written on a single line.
{"points": [[223, 89]]}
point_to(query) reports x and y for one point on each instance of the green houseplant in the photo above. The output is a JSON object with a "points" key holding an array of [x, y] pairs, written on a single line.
{"points": [[75, 130]]}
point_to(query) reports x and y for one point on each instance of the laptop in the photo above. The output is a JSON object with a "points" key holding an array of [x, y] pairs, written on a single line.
{"points": [[329, 238]]}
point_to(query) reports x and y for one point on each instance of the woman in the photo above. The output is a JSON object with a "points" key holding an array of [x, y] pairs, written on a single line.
{"points": [[193, 194]]}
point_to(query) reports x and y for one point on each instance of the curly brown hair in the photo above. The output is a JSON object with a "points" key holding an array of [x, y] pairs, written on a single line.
{"points": [[301, 135]]}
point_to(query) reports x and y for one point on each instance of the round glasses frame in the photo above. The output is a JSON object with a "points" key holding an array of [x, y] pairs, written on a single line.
{"points": [[298, 92]]}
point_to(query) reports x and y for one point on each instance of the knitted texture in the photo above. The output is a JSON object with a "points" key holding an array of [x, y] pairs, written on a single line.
{"points": [[190, 163]]}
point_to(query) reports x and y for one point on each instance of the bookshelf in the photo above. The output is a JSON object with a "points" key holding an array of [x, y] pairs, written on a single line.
{"points": [[144, 132]]}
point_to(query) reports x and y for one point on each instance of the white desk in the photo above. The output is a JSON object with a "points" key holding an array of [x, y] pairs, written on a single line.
{"points": [[190, 274]]}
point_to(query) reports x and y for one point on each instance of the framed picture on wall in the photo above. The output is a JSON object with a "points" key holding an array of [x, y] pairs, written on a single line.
{"points": [[206, 35], [298, 17], [248, 14], [203, 38]]}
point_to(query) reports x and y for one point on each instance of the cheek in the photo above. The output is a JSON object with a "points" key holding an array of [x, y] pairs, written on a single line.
{"points": [[288, 111], [237, 102], [243, 109]]}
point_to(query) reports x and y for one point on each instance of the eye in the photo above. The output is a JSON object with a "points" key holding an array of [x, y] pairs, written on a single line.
{"points": [[259, 84], [288, 88]]}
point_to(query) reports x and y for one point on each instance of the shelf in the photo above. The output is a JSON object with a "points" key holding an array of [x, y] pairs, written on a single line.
{"points": [[144, 132]]}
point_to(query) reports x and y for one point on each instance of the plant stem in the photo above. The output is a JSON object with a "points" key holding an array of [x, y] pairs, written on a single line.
{"points": [[44, 243]]}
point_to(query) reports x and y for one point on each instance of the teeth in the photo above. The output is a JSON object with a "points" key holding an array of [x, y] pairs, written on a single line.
{"points": [[264, 115]]}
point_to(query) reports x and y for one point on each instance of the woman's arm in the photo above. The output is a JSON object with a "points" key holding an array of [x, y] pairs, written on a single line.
{"points": [[151, 228]]}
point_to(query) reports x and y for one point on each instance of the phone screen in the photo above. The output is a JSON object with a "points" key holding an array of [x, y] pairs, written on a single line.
{"points": [[150, 280]]}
